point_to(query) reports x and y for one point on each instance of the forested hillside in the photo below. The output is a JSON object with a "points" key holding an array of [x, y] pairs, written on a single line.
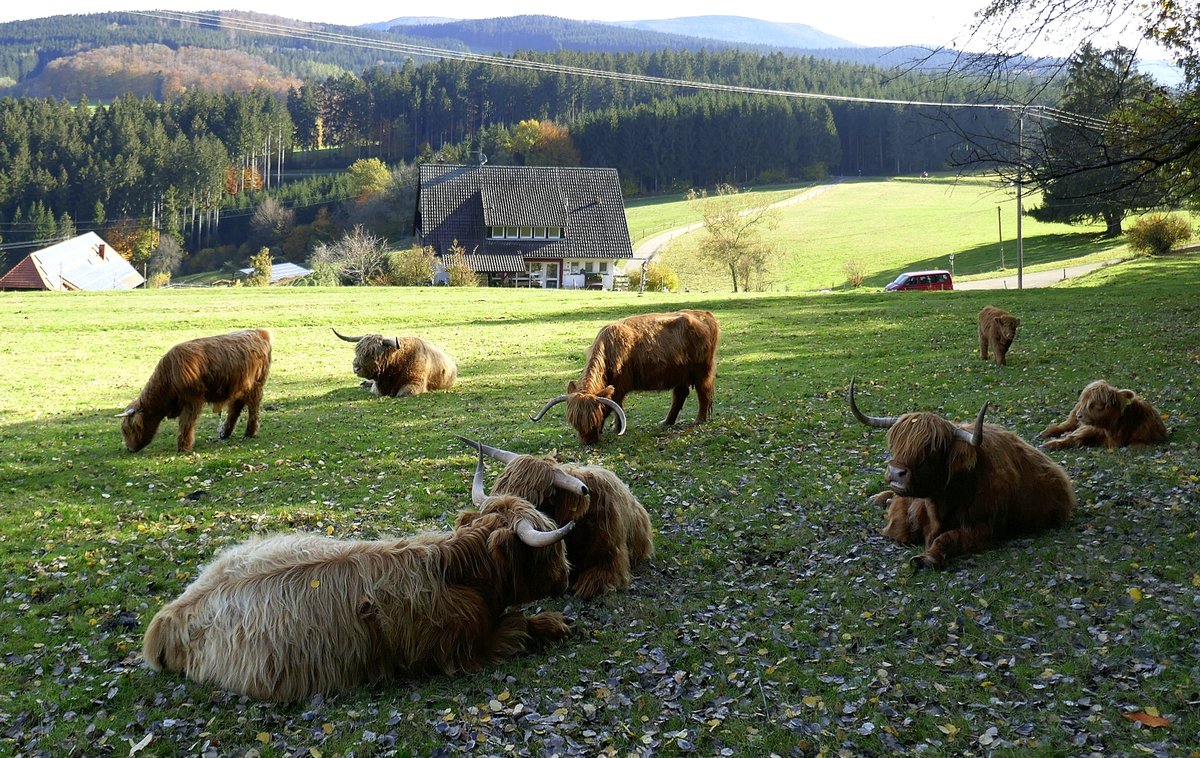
{"points": [[145, 139]]}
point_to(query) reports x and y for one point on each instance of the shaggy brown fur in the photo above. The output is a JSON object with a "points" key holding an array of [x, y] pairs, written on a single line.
{"points": [[286, 617], [228, 369], [612, 529], [1107, 416], [403, 366], [655, 351], [957, 498], [997, 329]]}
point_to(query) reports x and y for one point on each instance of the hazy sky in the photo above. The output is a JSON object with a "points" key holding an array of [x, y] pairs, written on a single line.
{"points": [[865, 22], [884, 23]]}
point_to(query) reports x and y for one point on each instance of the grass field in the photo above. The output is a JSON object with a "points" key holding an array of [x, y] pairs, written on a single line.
{"points": [[891, 226], [774, 619]]}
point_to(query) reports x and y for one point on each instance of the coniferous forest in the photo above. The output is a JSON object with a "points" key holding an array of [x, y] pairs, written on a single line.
{"points": [[184, 134]]}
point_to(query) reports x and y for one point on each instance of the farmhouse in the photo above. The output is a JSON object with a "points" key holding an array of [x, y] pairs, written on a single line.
{"points": [[85, 262], [539, 226]]}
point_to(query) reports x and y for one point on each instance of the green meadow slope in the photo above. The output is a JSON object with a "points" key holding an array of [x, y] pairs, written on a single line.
{"points": [[774, 618]]}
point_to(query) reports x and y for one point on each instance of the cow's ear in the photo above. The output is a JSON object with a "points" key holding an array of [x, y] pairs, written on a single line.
{"points": [[572, 387], [962, 457], [1127, 397], [1016, 321], [607, 392], [465, 518]]}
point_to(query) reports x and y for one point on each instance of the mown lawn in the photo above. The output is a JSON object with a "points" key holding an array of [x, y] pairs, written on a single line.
{"points": [[775, 618], [895, 225]]}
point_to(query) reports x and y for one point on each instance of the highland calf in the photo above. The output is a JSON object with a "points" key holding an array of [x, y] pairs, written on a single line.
{"points": [[225, 370], [401, 366], [1107, 416], [289, 616], [997, 329], [612, 529], [655, 351], [958, 490]]}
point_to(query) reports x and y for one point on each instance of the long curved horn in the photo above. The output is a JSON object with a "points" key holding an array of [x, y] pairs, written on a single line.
{"points": [[503, 456], [882, 422], [562, 479], [534, 537], [548, 406], [477, 493], [127, 412], [975, 438], [344, 337], [617, 409], [392, 342]]}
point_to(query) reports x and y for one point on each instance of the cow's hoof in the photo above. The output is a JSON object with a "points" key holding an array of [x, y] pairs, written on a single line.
{"points": [[922, 561], [882, 499]]}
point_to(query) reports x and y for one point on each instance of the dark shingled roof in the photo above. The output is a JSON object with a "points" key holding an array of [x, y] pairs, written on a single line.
{"points": [[460, 203]]}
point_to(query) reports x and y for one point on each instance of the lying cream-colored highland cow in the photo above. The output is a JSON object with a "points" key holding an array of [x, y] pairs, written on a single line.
{"points": [[227, 371], [1106, 416], [289, 616], [612, 529], [401, 366]]}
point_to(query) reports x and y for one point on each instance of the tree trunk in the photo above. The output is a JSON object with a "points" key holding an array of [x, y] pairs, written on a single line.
{"points": [[1112, 223]]}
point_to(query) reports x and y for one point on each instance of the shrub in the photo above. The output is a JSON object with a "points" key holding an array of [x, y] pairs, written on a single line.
{"points": [[413, 267], [660, 278], [458, 270], [260, 262], [855, 273], [1157, 233], [158, 280]]}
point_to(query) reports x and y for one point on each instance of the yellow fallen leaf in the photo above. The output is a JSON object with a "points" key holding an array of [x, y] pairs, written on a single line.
{"points": [[315, 583], [263, 737], [327, 728], [1147, 719], [948, 729], [1136, 594]]}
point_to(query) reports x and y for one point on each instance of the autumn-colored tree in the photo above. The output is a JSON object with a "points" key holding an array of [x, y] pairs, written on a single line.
{"points": [[458, 270], [260, 263], [413, 267], [554, 147], [524, 136], [368, 176], [133, 241]]}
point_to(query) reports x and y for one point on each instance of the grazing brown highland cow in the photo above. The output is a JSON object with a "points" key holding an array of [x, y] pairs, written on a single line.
{"points": [[401, 366], [225, 370], [292, 615], [1107, 416], [997, 329], [612, 529], [655, 351], [959, 490]]}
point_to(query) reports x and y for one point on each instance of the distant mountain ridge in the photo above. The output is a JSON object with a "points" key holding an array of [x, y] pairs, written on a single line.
{"points": [[742, 29]]}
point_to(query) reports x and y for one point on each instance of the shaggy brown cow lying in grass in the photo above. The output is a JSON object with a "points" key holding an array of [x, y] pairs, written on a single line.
{"points": [[1107, 416], [997, 329], [288, 616], [401, 366], [225, 370], [612, 529], [655, 351], [958, 489]]}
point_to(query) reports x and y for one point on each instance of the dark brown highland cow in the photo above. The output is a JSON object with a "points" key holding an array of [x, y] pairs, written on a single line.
{"points": [[286, 617], [1107, 416], [958, 489], [612, 529], [655, 351], [997, 329], [225, 370]]}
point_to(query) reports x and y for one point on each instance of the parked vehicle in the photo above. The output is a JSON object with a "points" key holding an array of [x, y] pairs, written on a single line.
{"points": [[922, 280]]}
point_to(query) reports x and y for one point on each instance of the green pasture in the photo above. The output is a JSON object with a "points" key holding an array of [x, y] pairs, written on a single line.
{"points": [[896, 225], [774, 619], [648, 216]]}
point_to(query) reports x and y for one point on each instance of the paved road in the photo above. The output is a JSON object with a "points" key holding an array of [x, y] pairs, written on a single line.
{"points": [[1029, 281]]}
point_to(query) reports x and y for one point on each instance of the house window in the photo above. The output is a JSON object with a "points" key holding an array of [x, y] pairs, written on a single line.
{"points": [[554, 233], [603, 267], [589, 267], [539, 232], [526, 232], [510, 232]]}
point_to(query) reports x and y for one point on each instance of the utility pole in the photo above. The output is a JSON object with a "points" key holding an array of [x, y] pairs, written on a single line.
{"points": [[1020, 208], [1000, 229]]}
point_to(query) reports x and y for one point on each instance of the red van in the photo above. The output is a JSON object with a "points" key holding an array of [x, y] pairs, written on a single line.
{"points": [[922, 280]]}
